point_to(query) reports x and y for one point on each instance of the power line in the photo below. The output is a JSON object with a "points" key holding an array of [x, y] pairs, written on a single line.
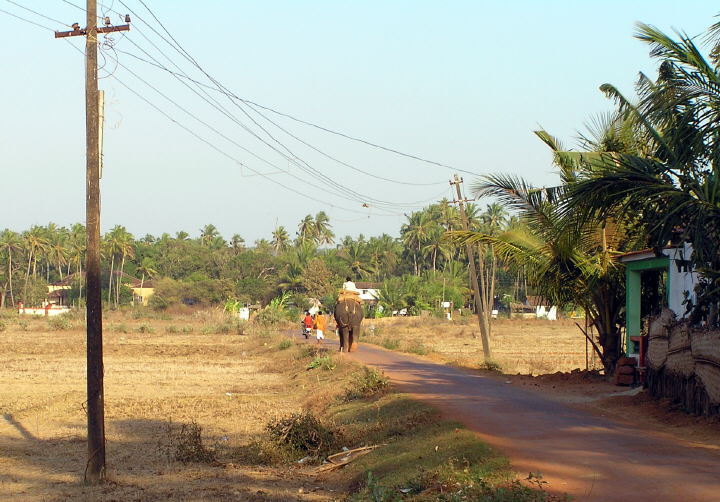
{"points": [[187, 56], [37, 13], [26, 20]]}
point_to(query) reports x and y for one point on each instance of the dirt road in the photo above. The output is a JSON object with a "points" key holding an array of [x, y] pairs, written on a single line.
{"points": [[590, 457]]}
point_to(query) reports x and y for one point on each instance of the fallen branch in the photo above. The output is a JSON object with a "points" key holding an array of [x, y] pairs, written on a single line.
{"points": [[343, 458]]}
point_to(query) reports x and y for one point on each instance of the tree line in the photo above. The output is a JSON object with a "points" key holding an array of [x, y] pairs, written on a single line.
{"points": [[418, 268]]}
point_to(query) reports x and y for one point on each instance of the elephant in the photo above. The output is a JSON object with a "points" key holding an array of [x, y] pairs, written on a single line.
{"points": [[348, 317]]}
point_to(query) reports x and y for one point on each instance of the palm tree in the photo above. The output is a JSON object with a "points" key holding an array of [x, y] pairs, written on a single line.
{"points": [[307, 229], [357, 259], [280, 240], [145, 268], [35, 242], [208, 233], [323, 232], [670, 184], [11, 243], [415, 234], [237, 243]]}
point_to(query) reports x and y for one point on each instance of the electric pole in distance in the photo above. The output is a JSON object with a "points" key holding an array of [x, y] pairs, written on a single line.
{"points": [[95, 469], [480, 309]]}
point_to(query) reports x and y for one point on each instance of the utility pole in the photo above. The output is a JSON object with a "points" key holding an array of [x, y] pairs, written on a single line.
{"points": [[95, 469], [480, 308]]}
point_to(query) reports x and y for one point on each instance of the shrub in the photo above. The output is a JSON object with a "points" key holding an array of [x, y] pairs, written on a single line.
{"points": [[59, 323], [323, 362], [367, 383], [418, 348], [145, 328], [186, 445], [285, 344], [172, 329], [120, 328], [302, 433], [390, 343], [3, 326]]}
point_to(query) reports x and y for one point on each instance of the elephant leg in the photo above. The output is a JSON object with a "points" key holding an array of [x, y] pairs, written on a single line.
{"points": [[354, 337], [344, 332]]}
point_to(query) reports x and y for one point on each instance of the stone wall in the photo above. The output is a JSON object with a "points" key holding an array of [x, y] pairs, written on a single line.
{"points": [[683, 364]]}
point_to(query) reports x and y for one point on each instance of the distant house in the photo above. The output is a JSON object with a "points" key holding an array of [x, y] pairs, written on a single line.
{"points": [[58, 291], [369, 291], [142, 291]]}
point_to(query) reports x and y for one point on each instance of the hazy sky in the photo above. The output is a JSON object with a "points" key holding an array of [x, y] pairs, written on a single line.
{"points": [[462, 83]]}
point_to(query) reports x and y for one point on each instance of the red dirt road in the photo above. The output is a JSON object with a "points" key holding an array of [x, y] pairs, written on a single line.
{"points": [[587, 456]]}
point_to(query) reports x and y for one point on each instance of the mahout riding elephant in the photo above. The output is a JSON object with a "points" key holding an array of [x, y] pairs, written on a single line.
{"points": [[348, 317]]}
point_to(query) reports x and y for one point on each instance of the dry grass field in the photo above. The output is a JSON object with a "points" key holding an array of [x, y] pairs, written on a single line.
{"points": [[158, 374], [526, 346], [167, 375]]}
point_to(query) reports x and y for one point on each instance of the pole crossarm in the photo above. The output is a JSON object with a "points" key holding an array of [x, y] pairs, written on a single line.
{"points": [[102, 29]]}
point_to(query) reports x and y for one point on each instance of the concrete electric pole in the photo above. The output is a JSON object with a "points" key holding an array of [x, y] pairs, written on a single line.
{"points": [[95, 470]]}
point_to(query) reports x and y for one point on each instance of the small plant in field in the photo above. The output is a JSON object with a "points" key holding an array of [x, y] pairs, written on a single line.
{"points": [[367, 383], [186, 445], [285, 344], [323, 362], [390, 343], [120, 328], [418, 348], [172, 329], [3, 326], [302, 433], [145, 328], [379, 493], [307, 351], [490, 365], [23, 324], [59, 323], [187, 329]]}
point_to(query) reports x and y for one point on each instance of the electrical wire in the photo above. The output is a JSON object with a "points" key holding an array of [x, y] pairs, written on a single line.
{"points": [[61, 23], [293, 158], [26, 20], [328, 130], [222, 152]]}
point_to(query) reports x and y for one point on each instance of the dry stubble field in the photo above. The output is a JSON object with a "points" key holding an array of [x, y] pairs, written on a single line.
{"points": [[526, 346], [157, 373]]}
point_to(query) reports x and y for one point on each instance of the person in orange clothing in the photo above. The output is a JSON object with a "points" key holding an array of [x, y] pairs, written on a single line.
{"points": [[320, 326]]}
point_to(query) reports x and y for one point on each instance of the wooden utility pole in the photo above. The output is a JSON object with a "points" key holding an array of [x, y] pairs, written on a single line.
{"points": [[480, 308], [95, 469]]}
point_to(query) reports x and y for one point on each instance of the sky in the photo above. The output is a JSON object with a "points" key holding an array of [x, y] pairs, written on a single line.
{"points": [[460, 83]]}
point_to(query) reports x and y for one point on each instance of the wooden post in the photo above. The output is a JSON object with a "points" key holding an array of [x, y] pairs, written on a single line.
{"points": [[95, 469], [479, 309]]}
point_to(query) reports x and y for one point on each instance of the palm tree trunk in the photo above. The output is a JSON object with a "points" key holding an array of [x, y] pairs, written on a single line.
{"points": [[117, 283], [112, 266], [27, 275], [12, 297]]}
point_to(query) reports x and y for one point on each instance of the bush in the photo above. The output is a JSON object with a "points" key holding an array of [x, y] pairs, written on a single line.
{"points": [[120, 328], [302, 433], [367, 383], [3, 326], [172, 329], [145, 328], [323, 362], [59, 323], [285, 344], [186, 445], [390, 343], [417, 348]]}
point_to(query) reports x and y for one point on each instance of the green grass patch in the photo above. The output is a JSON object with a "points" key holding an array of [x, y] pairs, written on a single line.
{"points": [[323, 362], [285, 344]]}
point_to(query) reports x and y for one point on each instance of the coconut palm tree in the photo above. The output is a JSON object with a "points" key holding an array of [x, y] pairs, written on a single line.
{"points": [[35, 242], [307, 230], [323, 232], [10, 243], [280, 240], [208, 233]]}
